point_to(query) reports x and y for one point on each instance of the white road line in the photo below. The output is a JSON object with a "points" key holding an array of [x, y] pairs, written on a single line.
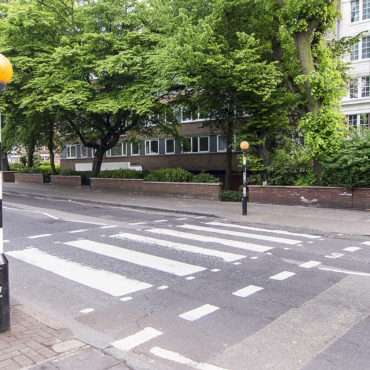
{"points": [[248, 290], [162, 287], [108, 227], [158, 221], [352, 249], [39, 236], [282, 275], [242, 234], [181, 219], [366, 243], [137, 223], [125, 299], [176, 357], [87, 310], [210, 239], [77, 231], [349, 272], [226, 256], [199, 312], [137, 258], [128, 343], [334, 255], [310, 264], [282, 232], [105, 281]]}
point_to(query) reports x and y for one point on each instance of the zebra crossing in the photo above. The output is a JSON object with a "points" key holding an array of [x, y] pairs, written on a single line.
{"points": [[172, 254]]}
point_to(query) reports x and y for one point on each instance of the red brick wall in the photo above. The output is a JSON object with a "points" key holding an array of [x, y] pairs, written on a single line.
{"points": [[8, 176], [66, 180], [29, 177], [311, 196], [190, 190]]}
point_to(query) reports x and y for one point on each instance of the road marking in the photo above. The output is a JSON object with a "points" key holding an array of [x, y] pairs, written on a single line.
{"points": [[215, 270], [349, 272], [254, 258], [334, 255], [282, 232], [108, 226], [282, 275], [105, 281], [190, 278], [199, 312], [310, 264], [162, 287], [137, 258], [128, 343], [176, 357], [226, 256], [77, 231], [248, 290], [125, 299], [366, 243], [352, 249], [87, 310], [39, 236], [210, 239], [244, 235], [181, 219], [137, 223], [158, 221], [237, 263]]}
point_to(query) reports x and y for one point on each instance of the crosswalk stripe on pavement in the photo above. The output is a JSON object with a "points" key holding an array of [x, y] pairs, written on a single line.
{"points": [[138, 258], [102, 280], [226, 256]]}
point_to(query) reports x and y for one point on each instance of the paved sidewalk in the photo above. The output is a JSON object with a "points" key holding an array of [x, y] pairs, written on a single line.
{"points": [[40, 343], [327, 220]]}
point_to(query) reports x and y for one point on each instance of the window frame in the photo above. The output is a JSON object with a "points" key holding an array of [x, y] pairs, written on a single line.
{"points": [[148, 143], [69, 148], [174, 146], [138, 149], [197, 139], [218, 144]]}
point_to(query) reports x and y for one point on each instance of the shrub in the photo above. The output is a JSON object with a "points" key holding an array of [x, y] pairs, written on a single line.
{"points": [[16, 166], [206, 178], [121, 174], [349, 166], [69, 172], [231, 196], [170, 175]]}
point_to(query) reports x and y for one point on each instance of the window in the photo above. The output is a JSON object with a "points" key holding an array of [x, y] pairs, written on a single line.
{"points": [[365, 9], [355, 52], [352, 120], [116, 151], [196, 144], [71, 151], [365, 87], [221, 143], [364, 120], [135, 148], [151, 147], [365, 47], [170, 146], [355, 10], [353, 89], [83, 151]]}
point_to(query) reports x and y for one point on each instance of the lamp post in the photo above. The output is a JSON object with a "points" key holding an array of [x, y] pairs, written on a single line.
{"points": [[6, 73], [244, 145]]}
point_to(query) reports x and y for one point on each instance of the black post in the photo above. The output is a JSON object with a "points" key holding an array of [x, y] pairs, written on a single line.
{"points": [[4, 268], [244, 199]]}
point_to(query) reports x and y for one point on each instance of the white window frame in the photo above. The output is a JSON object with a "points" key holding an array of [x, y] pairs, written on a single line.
{"points": [[87, 151], [148, 147], [174, 146], [358, 120], [109, 152], [191, 151], [360, 10], [368, 46], [69, 148], [218, 144], [359, 88]]}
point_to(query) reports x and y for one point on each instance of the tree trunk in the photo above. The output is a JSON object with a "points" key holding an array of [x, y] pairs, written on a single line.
{"points": [[98, 159], [30, 153], [229, 154], [263, 152], [51, 150]]}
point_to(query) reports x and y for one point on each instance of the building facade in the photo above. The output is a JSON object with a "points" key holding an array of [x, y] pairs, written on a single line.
{"points": [[356, 20]]}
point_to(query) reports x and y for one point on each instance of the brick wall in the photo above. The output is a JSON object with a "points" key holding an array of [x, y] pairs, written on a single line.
{"points": [[8, 176], [66, 180], [311, 196], [29, 177]]}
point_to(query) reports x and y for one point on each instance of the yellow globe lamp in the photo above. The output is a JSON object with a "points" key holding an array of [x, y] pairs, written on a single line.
{"points": [[6, 69], [244, 145]]}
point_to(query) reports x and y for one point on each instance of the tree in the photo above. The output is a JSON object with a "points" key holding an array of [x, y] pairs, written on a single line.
{"points": [[219, 66]]}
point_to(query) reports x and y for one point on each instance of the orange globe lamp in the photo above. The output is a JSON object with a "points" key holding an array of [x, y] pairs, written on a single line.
{"points": [[6, 72], [244, 145]]}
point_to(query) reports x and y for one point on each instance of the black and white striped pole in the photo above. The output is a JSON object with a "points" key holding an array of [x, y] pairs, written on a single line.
{"points": [[244, 145], [6, 73]]}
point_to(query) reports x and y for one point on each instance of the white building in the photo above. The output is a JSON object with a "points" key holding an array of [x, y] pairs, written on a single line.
{"points": [[356, 19]]}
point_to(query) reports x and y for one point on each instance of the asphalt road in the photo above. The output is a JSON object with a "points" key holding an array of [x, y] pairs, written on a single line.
{"points": [[166, 291]]}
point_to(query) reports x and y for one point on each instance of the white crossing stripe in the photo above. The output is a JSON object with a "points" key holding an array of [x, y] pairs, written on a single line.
{"points": [[210, 239], [366, 243], [244, 235], [105, 281], [352, 249], [77, 231], [176, 357], [128, 343], [282, 232], [226, 256], [108, 227], [137, 258], [199, 312], [282, 275], [248, 290], [310, 264], [39, 236], [334, 255]]}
